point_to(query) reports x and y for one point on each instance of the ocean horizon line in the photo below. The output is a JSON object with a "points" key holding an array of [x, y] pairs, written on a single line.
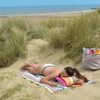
{"points": [[63, 13], [46, 10], [50, 5]]}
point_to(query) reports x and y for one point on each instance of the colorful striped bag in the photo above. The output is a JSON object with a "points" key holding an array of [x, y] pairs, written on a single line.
{"points": [[91, 58]]}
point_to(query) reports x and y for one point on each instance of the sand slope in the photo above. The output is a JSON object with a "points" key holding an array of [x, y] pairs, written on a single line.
{"points": [[39, 53]]}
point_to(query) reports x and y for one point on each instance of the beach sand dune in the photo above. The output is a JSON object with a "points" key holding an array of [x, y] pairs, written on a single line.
{"points": [[39, 53]]}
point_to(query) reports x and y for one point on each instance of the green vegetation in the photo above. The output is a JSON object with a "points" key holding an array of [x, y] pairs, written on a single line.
{"points": [[10, 92], [6, 75], [78, 32], [98, 10], [14, 35], [71, 34], [30, 97], [12, 42]]}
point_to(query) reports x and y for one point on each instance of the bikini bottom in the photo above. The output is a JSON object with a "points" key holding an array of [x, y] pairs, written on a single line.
{"points": [[47, 65]]}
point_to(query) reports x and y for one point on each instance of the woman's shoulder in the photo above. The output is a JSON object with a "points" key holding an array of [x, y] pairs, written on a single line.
{"points": [[58, 70]]}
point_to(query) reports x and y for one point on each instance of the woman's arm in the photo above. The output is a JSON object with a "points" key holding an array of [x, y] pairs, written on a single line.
{"points": [[47, 79], [79, 82]]}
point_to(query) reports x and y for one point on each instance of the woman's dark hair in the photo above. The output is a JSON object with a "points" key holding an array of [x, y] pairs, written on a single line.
{"points": [[70, 71]]}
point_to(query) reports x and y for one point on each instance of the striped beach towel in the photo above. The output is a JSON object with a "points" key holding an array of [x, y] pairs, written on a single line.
{"points": [[36, 79]]}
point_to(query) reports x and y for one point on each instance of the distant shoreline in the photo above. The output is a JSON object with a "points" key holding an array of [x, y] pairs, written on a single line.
{"points": [[46, 10], [56, 15]]}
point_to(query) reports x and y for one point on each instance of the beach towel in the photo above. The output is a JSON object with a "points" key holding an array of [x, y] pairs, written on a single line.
{"points": [[36, 79]]}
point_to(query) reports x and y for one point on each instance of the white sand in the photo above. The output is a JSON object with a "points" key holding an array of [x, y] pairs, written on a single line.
{"points": [[31, 91]]}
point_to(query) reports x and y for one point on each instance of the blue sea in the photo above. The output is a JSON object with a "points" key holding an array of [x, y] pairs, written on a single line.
{"points": [[46, 10]]}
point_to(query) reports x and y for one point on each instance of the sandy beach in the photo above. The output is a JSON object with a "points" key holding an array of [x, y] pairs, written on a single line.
{"points": [[31, 91], [39, 53]]}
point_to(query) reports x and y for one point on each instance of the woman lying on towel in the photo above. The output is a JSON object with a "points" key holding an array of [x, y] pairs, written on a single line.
{"points": [[50, 72]]}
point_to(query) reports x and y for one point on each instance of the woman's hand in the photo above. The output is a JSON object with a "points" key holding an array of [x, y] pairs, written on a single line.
{"points": [[54, 84], [79, 82]]}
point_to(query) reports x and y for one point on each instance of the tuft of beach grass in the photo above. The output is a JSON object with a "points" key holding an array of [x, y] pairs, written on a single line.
{"points": [[70, 34]]}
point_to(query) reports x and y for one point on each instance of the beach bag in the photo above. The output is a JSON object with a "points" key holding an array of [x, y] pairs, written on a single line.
{"points": [[91, 58]]}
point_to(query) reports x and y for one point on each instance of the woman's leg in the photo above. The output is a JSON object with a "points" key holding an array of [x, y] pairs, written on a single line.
{"points": [[28, 65], [32, 70]]}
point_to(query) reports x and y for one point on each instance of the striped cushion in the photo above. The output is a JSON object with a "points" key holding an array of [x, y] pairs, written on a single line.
{"points": [[66, 80]]}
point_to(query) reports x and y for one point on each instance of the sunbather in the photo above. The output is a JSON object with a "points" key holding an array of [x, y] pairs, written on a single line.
{"points": [[50, 72]]}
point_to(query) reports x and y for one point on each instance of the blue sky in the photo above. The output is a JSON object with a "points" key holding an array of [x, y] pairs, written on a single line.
{"points": [[46, 2]]}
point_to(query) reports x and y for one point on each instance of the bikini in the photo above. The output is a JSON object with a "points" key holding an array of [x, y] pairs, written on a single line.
{"points": [[47, 65]]}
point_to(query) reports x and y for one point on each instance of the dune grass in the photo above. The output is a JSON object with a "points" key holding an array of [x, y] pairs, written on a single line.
{"points": [[98, 10], [12, 42], [77, 33], [14, 35], [71, 34]]}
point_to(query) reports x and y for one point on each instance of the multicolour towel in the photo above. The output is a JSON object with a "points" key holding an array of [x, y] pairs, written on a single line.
{"points": [[36, 79]]}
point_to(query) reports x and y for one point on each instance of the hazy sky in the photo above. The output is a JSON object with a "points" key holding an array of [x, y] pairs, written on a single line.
{"points": [[46, 2]]}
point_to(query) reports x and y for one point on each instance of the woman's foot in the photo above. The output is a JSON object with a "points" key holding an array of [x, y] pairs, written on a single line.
{"points": [[25, 65]]}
